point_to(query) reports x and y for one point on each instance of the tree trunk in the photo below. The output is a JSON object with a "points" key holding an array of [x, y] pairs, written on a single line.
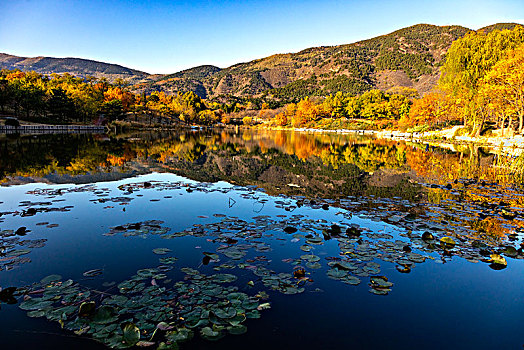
{"points": [[480, 126]]}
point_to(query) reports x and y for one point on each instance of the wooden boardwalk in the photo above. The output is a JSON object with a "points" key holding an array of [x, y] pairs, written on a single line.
{"points": [[52, 129]]}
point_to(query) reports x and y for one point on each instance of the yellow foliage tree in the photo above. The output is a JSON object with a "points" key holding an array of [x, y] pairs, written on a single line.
{"points": [[431, 109], [503, 85]]}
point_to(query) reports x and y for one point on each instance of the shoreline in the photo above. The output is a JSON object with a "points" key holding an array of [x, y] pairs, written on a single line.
{"points": [[445, 136]]}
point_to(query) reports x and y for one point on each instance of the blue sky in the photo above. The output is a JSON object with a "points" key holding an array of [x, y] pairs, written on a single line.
{"points": [[168, 36]]}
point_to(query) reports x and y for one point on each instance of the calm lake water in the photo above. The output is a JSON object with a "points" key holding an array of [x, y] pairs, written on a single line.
{"points": [[257, 239]]}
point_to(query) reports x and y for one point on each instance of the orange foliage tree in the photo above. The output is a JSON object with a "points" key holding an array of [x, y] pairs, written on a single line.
{"points": [[433, 108]]}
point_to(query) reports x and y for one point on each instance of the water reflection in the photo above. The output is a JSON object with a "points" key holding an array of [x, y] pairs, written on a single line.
{"points": [[279, 161], [300, 214]]}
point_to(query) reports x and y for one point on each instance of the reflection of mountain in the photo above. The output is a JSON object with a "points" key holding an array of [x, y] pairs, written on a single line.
{"points": [[76, 179], [290, 163], [278, 173], [314, 165]]}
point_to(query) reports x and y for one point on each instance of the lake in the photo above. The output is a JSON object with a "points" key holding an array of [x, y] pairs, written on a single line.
{"points": [[257, 239]]}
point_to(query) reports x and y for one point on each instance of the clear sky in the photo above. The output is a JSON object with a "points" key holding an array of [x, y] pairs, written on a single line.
{"points": [[168, 36]]}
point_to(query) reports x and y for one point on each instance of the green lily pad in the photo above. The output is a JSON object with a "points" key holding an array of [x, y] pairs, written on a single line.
{"points": [[93, 273], [180, 335], [310, 258], [237, 319], [35, 304], [50, 278], [225, 278], [37, 313], [351, 280], [336, 273], [131, 333], [210, 334], [237, 330], [314, 266], [380, 282], [212, 256], [168, 260], [104, 315], [234, 253], [168, 346], [161, 251], [86, 309], [226, 313], [380, 291]]}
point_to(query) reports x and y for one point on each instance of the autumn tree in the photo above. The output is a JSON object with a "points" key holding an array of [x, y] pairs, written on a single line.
{"points": [[503, 86], [468, 60], [280, 119], [431, 109], [306, 111]]}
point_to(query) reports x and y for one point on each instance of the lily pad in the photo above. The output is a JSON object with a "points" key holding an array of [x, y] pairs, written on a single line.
{"points": [[93, 273], [87, 309], [161, 251], [237, 330], [131, 333], [210, 334], [447, 242], [104, 315], [35, 304], [226, 313], [498, 260]]}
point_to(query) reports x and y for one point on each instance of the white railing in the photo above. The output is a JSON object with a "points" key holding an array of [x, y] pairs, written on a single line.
{"points": [[50, 129]]}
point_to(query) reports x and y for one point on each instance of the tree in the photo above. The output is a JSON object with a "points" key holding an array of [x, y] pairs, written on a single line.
{"points": [[113, 109], [280, 119], [5, 93], [431, 109], [398, 106], [60, 105], [32, 98], [247, 120], [503, 85], [306, 111], [468, 60]]}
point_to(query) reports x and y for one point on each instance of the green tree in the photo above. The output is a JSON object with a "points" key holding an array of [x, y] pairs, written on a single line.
{"points": [[468, 60]]}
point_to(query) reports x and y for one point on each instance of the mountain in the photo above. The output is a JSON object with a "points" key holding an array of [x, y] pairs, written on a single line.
{"points": [[409, 57], [498, 26], [75, 66], [187, 80]]}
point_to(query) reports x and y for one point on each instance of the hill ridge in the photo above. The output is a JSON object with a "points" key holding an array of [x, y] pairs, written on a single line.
{"points": [[407, 57]]}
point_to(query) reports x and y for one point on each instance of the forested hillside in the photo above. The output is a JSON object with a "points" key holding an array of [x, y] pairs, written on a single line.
{"points": [[75, 66], [409, 57]]}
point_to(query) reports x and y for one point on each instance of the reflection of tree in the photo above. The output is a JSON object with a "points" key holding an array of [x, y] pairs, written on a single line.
{"points": [[61, 154], [292, 163], [471, 162], [490, 226], [333, 153]]}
